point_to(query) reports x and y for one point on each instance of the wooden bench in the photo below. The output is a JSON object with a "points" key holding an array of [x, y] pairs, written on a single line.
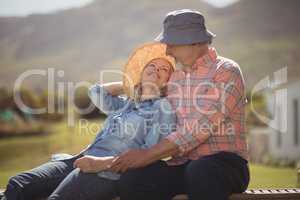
{"points": [[259, 194]]}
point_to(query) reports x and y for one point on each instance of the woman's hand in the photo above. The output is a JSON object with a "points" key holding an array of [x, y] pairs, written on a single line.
{"points": [[93, 164]]}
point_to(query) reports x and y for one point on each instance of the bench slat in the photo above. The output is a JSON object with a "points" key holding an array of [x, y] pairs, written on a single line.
{"points": [[268, 194], [258, 194], [261, 194]]}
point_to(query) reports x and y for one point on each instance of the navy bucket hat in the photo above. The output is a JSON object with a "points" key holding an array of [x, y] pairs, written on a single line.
{"points": [[181, 27]]}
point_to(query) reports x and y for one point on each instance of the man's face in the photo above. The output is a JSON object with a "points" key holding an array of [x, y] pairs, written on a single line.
{"points": [[186, 54]]}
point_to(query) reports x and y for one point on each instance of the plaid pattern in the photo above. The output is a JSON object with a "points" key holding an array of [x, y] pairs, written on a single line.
{"points": [[210, 108]]}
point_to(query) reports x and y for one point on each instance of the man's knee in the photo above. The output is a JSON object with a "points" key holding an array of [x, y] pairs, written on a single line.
{"points": [[199, 170], [202, 179]]}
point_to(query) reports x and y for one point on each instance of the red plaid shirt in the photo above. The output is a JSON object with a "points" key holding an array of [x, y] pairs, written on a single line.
{"points": [[210, 108]]}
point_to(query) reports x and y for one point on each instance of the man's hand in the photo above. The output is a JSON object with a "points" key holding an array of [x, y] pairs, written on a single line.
{"points": [[143, 157], [93, 164], [131, 159]]}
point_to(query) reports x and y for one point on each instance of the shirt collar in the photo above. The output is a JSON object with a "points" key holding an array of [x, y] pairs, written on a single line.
{"points": [[144, 103]]}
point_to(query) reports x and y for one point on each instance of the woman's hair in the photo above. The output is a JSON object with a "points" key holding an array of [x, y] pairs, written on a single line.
{"points": [[138, 88]]}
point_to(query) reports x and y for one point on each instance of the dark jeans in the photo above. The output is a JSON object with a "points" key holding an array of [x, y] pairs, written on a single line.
{"points": [[59, 180], [212, 177]]}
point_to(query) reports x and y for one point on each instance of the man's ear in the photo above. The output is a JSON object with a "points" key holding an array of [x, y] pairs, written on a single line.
{"points": [[203, 47]]}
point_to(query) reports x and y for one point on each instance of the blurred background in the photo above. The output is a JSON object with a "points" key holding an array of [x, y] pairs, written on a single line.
{"points": [[74, 40]]}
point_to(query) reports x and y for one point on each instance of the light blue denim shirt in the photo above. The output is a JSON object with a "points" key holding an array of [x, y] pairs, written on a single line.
{"points": [[129, 125]]}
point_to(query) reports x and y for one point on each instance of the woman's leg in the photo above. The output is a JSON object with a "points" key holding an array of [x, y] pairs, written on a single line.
{"points": [[38, 182], [84, 186]]}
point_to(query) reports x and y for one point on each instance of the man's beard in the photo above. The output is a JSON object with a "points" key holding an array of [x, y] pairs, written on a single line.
{"points": [[179, 65], [185, 68]]}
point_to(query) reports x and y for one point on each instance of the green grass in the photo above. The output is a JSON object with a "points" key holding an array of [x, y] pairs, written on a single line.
{"points": [[22, 153], [272, 177]]}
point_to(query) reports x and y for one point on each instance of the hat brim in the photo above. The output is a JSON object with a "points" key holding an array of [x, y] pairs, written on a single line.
{"points": [[159, 37], [185, 38]]}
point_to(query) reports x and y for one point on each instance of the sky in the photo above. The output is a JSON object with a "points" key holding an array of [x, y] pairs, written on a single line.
{"points": [[26, 7], [220, 3]]}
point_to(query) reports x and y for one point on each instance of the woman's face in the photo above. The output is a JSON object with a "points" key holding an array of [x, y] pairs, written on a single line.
{"points": [[157, 72]]}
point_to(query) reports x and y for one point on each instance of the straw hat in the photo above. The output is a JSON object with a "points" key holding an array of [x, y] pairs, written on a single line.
{"points": [[138, 60]]}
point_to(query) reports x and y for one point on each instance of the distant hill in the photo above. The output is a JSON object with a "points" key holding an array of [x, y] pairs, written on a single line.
{"points": [[262, 35]]}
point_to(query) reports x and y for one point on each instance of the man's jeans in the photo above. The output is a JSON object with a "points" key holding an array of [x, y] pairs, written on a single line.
{"points": [[212, 177], [59, 180]]}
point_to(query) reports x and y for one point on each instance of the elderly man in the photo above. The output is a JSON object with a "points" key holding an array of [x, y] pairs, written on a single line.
{"points": [[208, 150]]}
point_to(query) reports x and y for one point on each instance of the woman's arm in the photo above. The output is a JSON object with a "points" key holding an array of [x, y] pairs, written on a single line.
{"points": [[114, 88], [105, 97]]}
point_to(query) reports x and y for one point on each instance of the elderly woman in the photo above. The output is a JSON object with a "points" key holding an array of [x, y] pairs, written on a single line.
{"points": [[138, 121]]}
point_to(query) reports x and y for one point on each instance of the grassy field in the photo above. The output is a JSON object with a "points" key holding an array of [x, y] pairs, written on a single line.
{"points": [[22, 153]]}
